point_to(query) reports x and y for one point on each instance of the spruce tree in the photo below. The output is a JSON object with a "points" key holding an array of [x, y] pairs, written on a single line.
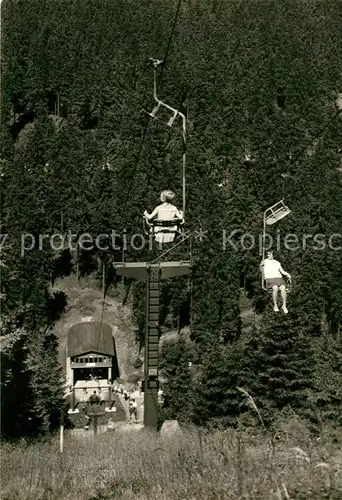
{"points": [[327, 393], [217, 401], [174, 366], [278, 366]]}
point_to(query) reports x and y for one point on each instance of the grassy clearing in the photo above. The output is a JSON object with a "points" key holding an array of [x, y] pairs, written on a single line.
{"points": [[194, 465]]}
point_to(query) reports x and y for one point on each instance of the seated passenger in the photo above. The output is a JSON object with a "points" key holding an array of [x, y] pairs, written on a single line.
{"points": [[165, 212], [273, 274]]}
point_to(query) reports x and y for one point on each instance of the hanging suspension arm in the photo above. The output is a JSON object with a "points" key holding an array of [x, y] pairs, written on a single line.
{"points": [[156, 63]]}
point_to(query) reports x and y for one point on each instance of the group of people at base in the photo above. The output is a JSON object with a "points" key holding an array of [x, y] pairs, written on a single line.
{"points": [[133, 409], [132, 404]]}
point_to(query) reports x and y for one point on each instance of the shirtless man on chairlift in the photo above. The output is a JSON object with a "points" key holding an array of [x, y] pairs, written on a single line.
{"points": [[165, 212], [273, 274]]}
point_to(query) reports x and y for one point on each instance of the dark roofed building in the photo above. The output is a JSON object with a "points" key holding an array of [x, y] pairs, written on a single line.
{"points": [[89, 337], [91, 359]]}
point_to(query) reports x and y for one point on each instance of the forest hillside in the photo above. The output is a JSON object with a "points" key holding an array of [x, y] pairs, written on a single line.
{"points": [[260, 85]]}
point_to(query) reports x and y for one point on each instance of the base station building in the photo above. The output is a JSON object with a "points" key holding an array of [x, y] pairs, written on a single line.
{"points": [[91, 361]]}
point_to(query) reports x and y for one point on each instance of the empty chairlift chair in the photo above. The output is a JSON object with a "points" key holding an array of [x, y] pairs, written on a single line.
{"points": [[275, 213]]}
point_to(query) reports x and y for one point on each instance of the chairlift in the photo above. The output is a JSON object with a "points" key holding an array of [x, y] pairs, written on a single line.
{"points": [[276, 212], [164, 230]]}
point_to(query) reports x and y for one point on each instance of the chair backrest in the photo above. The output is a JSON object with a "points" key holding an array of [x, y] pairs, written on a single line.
{"points": [[162, 226], [166, 223]]}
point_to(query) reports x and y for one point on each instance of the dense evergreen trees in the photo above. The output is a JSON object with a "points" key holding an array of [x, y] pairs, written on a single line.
{"points": [[258, 81], [279, 365]]}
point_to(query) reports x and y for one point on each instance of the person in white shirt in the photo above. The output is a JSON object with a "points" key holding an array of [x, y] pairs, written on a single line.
{"points": [[160, 396], [273, 274], [110, 424], [133, 409], [165, 212]]}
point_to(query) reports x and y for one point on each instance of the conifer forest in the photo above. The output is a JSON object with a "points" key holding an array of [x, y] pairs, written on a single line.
{"points": [[260, 85]]}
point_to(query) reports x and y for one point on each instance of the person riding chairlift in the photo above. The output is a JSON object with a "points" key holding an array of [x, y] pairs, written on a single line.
{"points": [[165, 212], [273, 274]]}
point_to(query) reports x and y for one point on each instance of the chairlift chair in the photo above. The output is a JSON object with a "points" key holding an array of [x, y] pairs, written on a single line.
{"points": [[275, 213], [267, 288], [156, 109], [152, 226]]}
